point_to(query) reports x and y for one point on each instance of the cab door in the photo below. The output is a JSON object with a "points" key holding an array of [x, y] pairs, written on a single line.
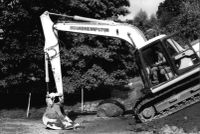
{"points": [[181, 54], [157, 63]]}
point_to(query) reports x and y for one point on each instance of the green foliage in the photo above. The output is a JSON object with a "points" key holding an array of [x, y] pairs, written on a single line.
{"points": [[93, 61], [87, 61], [141, 20], [149, 26], [189, 20], [97, 8], [168, 10], [185, 17], [153, 29]]}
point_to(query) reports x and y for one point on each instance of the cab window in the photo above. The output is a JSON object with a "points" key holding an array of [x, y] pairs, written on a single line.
{"points": [[157, 66], [181, 53]]}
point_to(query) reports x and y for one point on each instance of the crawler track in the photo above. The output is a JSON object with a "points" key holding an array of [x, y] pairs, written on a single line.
{"points": [[194, 98]]}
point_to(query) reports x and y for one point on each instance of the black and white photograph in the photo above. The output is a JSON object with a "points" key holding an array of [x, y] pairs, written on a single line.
{"points": [[99, 66]]}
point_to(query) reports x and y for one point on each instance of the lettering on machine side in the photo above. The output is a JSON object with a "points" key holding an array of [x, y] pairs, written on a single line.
{"points": [[95, 29]]}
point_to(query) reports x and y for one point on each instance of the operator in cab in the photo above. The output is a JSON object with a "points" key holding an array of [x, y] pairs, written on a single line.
{"points": [[159, 68], [54, 116]]}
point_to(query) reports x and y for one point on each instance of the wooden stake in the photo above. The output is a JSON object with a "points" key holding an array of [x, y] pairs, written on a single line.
{"points": [[28, 108], [82, 99]]}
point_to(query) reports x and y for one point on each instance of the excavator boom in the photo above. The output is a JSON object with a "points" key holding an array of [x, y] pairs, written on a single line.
{"points": [[84, 25]]}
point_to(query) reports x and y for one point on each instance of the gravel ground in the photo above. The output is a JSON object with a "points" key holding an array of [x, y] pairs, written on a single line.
{"points": [[185, 121]]}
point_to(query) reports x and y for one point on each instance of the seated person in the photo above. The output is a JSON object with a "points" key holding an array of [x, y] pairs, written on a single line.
{"points": [[55, 117], [160, 68]]}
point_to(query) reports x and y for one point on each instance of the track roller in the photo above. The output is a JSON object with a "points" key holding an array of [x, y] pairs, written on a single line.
{"points": [[148, 113]]}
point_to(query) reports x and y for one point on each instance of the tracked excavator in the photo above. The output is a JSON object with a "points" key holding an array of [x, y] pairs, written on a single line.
{"points": [[176, 88]]}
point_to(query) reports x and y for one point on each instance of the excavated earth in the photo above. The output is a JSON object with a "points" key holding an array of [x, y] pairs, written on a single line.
{"points": [[14, 121], [185, 121]]}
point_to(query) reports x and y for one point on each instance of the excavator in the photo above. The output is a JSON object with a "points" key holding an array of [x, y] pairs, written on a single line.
{"points": [[176, 88]]}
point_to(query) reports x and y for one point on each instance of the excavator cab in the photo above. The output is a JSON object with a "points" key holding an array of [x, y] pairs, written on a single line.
{"points": [[167, 58], [178, 77], [157, 66]]}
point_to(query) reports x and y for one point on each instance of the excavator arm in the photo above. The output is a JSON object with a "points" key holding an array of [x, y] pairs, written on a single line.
{"points": [[84, 25]]}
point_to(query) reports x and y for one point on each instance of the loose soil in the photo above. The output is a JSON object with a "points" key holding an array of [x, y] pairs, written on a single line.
{"points": [[185, 121]]}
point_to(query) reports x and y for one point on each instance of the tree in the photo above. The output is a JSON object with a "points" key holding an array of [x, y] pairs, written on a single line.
{"points": [[149, 26], [88, 62], [95, 61], [189, 19], [18, 27], [141, 20], [186, 16], [168, 10], [154, 28], [91, 62]]}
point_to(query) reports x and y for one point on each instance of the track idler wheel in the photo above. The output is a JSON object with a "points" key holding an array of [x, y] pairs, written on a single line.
{"points": [[148, 113]]}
